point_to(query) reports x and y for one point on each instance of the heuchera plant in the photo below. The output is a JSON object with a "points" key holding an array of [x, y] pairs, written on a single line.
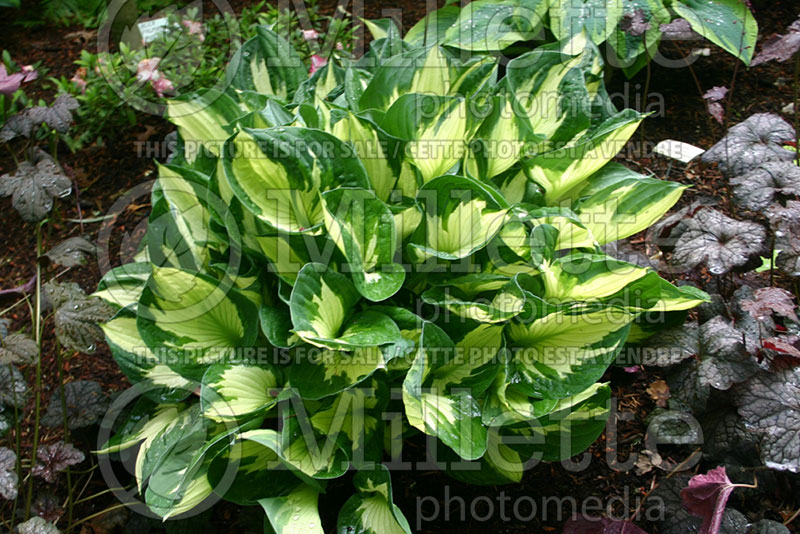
{"points": [[407, 243]]}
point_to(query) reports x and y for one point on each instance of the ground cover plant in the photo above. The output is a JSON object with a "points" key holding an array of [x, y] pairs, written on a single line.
{"points": [[407, 234]]}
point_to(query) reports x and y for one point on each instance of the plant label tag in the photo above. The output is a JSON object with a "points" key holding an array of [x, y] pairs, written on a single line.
{"points": [[678, 150], [152, 29]]}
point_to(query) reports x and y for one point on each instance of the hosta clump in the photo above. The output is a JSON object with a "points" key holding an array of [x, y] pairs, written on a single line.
{"points": [[406, 243]]}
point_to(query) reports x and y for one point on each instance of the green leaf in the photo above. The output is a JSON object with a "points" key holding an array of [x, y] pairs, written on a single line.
{"points": [[321, 306], [435, 129], [122, 286], [232, 391], [621, 203], [726, 23], [268, 64], [634, 50], [492, 25], [451, 416], [598, 18], [431, 29], [565, 170], [562, 353], [202, 121], [461, 217], [196, 318], [295, 513], [372, 510], [364, 230], [278, 174]]}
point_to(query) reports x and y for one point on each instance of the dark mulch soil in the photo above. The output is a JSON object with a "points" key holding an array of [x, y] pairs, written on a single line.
{"points": [[104, 174]]}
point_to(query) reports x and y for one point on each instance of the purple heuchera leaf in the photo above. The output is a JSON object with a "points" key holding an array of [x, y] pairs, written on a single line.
{"points": [[715, 94], [635, 24], [678, 29], [715, 109], [9, 83], [56, 458], [706, 497], [769, 300], [595, 525], [780, 47]]}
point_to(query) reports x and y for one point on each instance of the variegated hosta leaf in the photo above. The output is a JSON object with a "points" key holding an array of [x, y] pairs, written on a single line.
{"points": [[501, 139], [371, 509], [145, 423], [598, 18], [231, 391], [503, 306], [550, 429], [301, 450], [202, 121], [77, 316], [534, 79], [318, 373], [637, 36], [354, 420], [727, 23], [621, 203], [322, 305], [487, 25], [122, 286], [368, 145], [179, 234], [561, 354], [195, 317], [364, 230], [588, 277], [444, 408], [563, 172], [461, 217], [294, 513], [434, 128], [139, 363], [278, 173], [288, 253]]}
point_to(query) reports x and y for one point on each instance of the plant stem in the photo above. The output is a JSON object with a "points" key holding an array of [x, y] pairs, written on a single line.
{"points": [[796, 89], [17, 437], [38, 383], [59, 363]]}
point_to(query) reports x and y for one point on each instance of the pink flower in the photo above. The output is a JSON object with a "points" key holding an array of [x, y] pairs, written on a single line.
{"points": [[195, 28], [339, 46], [147, 69], [310, 34], [79, 79], [9, 83], [317, 62], [30, 73], [161, 86]]}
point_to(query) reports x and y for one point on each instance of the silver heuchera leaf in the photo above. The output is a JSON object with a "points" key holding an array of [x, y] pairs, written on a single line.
{"points": [[37, 525], [757, 189], [56, 293], [769, 404], [85, 405], [55, 458], [9, 481], [724, 360], [18, 348], [769, 300], [34, 186], [750, 143], [71, 252], [13, 389], [685, 386], [77, 316], [786, 227], [719, 241], [726, 437]]}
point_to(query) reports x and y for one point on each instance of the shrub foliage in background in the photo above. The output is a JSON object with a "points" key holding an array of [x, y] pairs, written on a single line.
{"points": [[406, 243]]}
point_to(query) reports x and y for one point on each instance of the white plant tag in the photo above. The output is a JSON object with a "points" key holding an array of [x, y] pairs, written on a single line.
{"points": [[152, 29], [678, 150]]}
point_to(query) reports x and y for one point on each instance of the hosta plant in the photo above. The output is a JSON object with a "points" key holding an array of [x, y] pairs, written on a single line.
{"points": [[407, 243], [633, 29]]}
